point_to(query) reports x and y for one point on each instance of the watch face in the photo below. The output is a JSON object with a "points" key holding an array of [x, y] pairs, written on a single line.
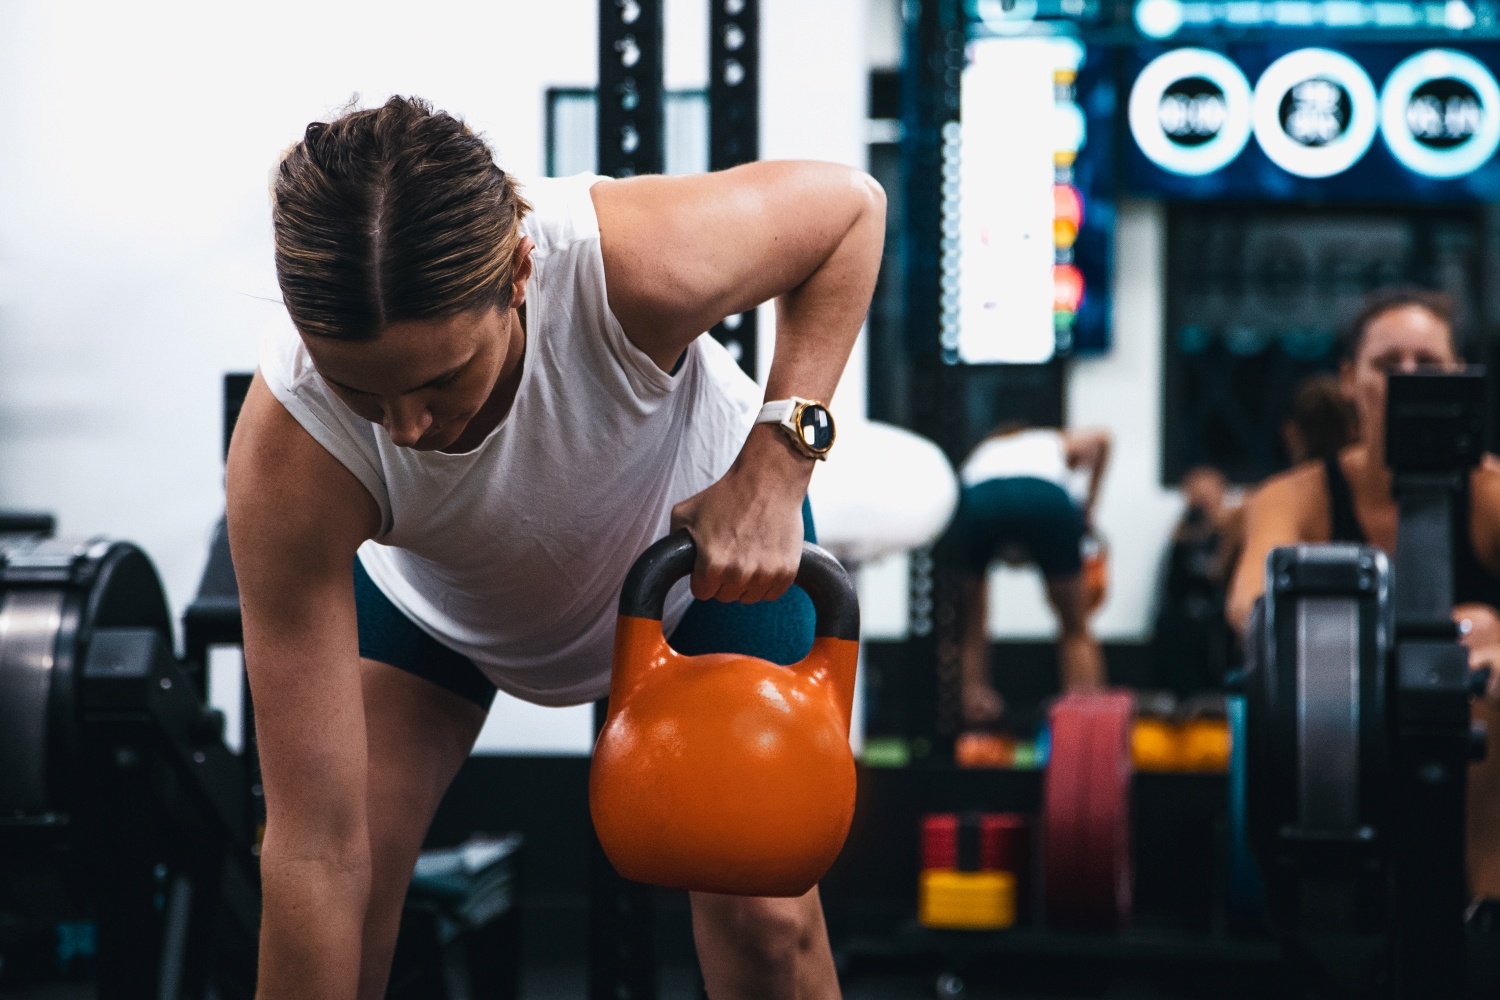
{"points": [[815, 425]]}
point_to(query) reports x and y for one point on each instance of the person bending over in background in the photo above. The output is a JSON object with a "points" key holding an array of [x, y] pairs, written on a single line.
{"points": [[1346, 497], [486, 411], [1015, 505]]}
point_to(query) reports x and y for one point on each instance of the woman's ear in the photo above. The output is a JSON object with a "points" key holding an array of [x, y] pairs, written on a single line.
{"points": [[1346, 380], [523, 272]]}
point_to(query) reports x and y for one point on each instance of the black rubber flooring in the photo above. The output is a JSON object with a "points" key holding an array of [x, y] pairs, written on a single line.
{"points": [[681, 983]]}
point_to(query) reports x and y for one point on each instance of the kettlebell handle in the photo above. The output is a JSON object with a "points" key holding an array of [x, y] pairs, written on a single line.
{"points": [[671, 558]]}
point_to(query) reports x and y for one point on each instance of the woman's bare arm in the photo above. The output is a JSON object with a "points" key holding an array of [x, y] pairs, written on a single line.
{"points": [[1088, 448], [1281, 512], [296, 517], [680, 254]]}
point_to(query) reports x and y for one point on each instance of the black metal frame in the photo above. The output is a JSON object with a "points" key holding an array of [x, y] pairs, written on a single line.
{"points": [[930, 78], [631, 127], [630, 123], [734, 129], [555, 94], [1435, 432]]}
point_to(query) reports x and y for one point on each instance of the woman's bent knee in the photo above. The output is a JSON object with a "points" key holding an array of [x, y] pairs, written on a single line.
{"points": [[770, 930]]}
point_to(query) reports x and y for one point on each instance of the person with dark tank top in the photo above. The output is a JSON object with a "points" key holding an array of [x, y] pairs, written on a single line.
{"points": [[1346, 497]]}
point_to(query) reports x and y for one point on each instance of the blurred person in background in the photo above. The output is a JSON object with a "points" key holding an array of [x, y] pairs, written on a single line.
{"points": [[1346, 497], [1191, 642], [1019, 502], [1320, 422]]}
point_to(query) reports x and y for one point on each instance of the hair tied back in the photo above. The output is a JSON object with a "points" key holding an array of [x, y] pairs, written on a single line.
{"points": [[313, 133]]}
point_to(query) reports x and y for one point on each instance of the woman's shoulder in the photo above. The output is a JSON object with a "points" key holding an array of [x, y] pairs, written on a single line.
{"points": [[1485, 481], [1305, 480], [1293, 502]]}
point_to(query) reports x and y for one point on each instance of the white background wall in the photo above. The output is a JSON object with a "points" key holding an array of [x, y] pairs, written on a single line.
{"points": [[136, 144]]}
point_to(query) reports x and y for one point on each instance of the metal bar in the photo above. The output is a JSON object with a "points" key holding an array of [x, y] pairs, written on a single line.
{"points": [[930, 77], [1425, 536], [630, 88], [1431, 754], [734, 129], [622, 923]]}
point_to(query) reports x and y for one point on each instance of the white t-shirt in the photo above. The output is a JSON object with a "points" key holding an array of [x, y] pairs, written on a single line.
{"points": [[513, 553], [1036, 453]]}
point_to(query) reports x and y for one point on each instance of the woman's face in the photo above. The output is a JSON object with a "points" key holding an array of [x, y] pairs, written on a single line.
{"points": [[422, 380], [1397, 341]]}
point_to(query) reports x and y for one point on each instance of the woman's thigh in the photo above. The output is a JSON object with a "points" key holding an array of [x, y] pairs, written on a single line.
{"points": [[417, 737]]}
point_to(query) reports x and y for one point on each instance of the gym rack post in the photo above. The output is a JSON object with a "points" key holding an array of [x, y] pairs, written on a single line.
{"points": [[622, 950], [734, 129], [930, 78]]}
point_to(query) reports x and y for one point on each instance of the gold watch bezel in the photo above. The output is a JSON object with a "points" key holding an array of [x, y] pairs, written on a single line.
{"points": [[792, 427]]}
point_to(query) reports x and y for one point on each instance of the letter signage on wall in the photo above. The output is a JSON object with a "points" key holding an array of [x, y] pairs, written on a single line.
{"points": [[1190, 111], [1440, 113], [1315, 112]]}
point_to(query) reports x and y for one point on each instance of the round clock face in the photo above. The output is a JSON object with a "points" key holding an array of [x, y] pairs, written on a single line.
{"points": [[1190, 111], [1315, 112], [1440, 114], [815, 425]]}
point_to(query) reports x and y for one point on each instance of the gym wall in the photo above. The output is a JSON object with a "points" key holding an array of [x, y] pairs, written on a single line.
{"points": [[136, 145], [1120, 390]]}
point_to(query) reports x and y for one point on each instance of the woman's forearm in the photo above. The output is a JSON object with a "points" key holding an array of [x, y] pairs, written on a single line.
{"points": [[312, 922]]}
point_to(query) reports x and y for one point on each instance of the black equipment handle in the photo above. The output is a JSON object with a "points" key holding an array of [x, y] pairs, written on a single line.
{"points": [[27, 523], [832, 590]]}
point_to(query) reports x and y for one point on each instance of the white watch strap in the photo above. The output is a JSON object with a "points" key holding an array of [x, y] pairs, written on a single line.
{"points": [[778, 410]]}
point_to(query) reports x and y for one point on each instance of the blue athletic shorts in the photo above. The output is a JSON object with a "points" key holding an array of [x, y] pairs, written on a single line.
{"points": [[1033, 515], [780, 631]]}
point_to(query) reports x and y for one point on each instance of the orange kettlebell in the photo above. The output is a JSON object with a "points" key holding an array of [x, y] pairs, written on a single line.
{"points": [[1094, 550], [726, 773]]}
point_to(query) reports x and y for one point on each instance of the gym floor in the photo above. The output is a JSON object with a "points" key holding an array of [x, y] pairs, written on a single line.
{"points": [[681, 983]]}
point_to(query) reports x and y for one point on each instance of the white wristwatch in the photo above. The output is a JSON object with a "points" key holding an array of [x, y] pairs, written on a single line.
{"points": [[806, 422]]}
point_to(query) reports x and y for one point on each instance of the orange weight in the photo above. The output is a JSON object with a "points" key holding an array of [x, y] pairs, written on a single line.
{"points": [[1205, 745], [979, 749], [1156, 745], [726, 773], [1094, 551]]}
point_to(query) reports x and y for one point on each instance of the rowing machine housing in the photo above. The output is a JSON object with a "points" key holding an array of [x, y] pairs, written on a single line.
{"points": [[119, 801], [1320, 736], [1357, 698]]}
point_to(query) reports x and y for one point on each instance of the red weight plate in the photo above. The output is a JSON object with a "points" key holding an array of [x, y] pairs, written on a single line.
{"points": [[1108, 810], [1086, 811], [939, 841], [1062, 807], [1005, 843]]}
